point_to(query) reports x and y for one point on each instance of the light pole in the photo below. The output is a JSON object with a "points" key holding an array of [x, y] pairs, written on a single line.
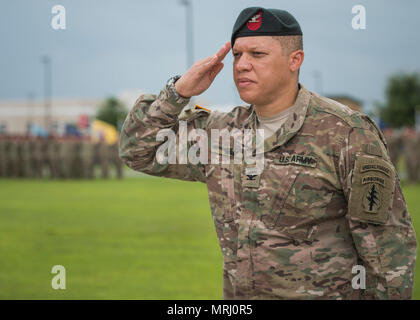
{"points": [[189, 24], [189, 31], [46, 61]]}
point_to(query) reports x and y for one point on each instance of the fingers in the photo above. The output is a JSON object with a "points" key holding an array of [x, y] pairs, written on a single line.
{"points": [[209, 62], [221, 54], [216, 69]]}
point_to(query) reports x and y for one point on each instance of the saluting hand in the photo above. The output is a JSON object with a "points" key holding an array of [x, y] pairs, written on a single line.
{"points": [[202, 73]]}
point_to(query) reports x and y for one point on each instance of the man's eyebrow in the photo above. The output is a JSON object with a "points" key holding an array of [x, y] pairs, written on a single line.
{"points": [[249, 49], [255, 48]]}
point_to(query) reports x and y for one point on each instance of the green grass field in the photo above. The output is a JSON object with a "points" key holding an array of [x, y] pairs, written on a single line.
{"points": [[147, 238]]}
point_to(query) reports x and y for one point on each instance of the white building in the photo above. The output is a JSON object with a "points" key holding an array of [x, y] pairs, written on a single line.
{"points": [[16, 116]]}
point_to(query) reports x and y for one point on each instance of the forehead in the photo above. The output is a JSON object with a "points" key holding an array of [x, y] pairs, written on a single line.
{"points": [[258, 42]]}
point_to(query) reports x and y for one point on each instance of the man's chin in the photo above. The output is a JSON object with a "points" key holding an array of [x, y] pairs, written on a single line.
{"points": [[247, 97]]}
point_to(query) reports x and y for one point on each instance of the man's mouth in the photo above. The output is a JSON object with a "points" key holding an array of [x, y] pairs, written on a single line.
{"points": [[245, 82]]}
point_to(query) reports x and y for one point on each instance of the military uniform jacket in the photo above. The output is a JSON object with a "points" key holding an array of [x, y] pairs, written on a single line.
{"points": [[327, 202]]}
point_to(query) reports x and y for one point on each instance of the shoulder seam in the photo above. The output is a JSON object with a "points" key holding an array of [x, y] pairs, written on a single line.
{"points": [[351, 125]]}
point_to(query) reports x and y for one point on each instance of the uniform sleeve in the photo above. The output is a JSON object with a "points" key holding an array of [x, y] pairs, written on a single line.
{"points": [[151, 114], [377, 215]]}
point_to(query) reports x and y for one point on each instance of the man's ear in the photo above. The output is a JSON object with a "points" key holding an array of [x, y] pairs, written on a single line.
{"points": [[296, 60]]}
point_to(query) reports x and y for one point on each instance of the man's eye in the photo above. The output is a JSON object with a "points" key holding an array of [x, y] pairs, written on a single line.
{"points": [[257, 53]]}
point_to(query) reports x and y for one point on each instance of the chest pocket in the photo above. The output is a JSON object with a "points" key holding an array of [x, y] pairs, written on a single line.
{"points": [[309, 197], [291, 199], [274, 190], [265, 194]]}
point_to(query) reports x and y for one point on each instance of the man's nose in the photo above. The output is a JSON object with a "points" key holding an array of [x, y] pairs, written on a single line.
{"points": [[243, 63]]}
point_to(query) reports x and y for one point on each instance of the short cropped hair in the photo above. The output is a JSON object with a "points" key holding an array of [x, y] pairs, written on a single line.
{"points": [[290, 43]]}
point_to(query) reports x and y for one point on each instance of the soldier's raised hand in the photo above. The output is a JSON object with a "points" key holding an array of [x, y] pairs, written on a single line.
{"points": [[202, 73]]}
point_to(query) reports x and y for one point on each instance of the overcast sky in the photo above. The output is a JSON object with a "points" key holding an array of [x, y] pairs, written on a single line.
{"points": [[111, 46]]}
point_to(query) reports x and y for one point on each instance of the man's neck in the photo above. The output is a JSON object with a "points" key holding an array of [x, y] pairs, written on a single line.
{"points": [[286, 99]]}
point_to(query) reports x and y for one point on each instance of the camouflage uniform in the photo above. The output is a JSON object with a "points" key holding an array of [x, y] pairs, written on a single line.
{"points": [[114, 159], [327, 200], [38, 155], [26, 158], [411, 158], [67, 156], [77, 165], [50, 156], [103, 158], [87, 156], [395, 144], [3, 163], [7, 157], [13, 158]]}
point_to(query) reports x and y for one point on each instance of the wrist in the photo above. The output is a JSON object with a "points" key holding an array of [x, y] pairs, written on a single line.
{"points": [[177, 89], [173, 94]]}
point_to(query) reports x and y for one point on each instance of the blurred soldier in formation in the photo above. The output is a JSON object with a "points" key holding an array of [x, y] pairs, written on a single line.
{"points": [[13, 157], [28, 151], [37, 156], [67, 157], [76, 161], [7, 147], [3, 170], [103, 159], [106, 155], [395, 144], [25, 157], [19, 154], [114, 159], [96, 157], [62, 157], [50, 156], [87, 158], [411, 146]]}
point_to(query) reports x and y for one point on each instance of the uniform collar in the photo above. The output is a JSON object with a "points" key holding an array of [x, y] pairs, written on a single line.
{"points": [[291, 126]]}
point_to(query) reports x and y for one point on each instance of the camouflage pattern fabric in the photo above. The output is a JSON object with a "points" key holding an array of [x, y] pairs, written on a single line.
{"points": [[412, 161], [13, 158], [114, 159], [77, 164], [327, 200], [66, 156], [50, 149], [395, 144], [103, 159], [3, 163], [26, 158], [87, 158]]}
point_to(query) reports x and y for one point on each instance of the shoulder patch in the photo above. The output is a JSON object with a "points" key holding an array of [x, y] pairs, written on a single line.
{"points": [[372, 188], [201, 108]]}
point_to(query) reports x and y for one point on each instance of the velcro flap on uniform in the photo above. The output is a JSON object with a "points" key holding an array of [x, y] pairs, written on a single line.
{"points": [[372, 189], [251, 178], [372, 149]]}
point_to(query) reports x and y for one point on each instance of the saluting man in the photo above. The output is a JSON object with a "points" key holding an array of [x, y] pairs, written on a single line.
{"points": [[328, 198]]}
